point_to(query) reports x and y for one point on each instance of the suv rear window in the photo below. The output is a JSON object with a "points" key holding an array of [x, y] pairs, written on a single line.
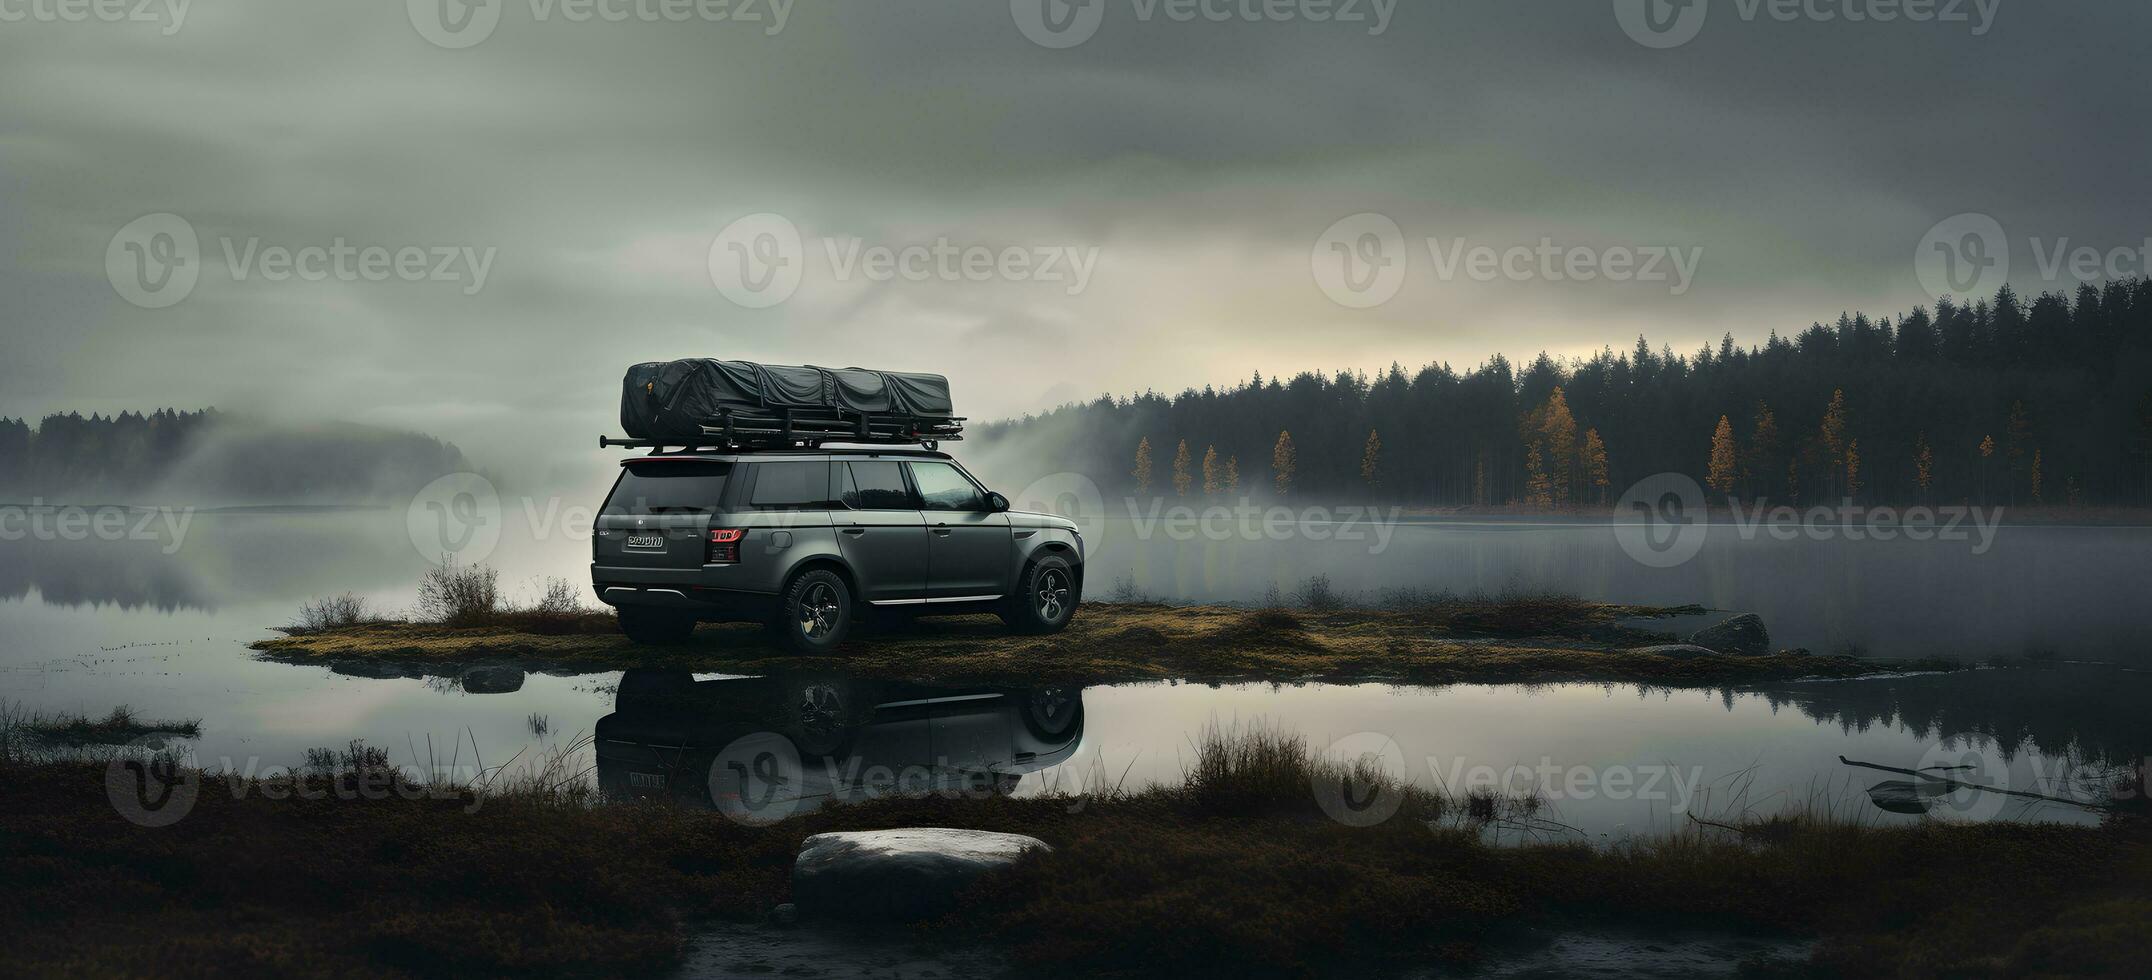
{"points": [[668, 488]]}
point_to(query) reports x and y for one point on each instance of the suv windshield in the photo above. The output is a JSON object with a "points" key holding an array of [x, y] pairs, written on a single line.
{"points": [[667, 488]]}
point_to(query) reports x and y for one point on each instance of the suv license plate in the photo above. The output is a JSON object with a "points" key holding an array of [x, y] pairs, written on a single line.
{"points": [[648, 542]]}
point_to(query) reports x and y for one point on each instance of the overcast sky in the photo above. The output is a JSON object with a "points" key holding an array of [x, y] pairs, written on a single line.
{"points": [[1137, 202]]}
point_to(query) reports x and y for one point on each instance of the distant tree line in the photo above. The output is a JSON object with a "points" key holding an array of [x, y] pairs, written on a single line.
{"points": [[207, 455], [1997, 401], [67, 451]]}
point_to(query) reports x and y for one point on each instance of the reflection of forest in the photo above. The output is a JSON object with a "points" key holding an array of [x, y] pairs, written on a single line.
{"points": [[89, 574], [219, 561], [2092, 712]]}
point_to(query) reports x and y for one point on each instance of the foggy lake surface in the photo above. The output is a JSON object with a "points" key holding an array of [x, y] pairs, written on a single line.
{"points": [[85, 626]]}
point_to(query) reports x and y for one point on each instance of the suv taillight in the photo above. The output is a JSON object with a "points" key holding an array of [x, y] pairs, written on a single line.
{"points": [[725, 545]]}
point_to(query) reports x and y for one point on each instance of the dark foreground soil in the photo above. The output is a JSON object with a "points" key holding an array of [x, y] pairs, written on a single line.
{"points": [[1239, 875]]}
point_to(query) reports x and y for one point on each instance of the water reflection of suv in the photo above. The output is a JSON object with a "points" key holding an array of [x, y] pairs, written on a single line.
{"points": [[800, 539], [782, 744]]}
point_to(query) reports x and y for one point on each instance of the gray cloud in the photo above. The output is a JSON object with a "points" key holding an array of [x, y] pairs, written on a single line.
{"points": [[1806, 160]]}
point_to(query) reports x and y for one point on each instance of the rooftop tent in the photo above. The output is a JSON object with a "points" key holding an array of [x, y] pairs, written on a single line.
{"points": [[679, 400]]}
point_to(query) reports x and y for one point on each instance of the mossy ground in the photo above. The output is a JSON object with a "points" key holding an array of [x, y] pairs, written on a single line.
{"points": [[1530, 640]]}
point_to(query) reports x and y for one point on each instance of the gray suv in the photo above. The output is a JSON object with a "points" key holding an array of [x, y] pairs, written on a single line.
{"points": [[806, 540]]}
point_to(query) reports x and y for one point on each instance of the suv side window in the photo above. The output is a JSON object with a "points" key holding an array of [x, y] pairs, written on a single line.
{"points": [[944, 487], [791, 486], [876, 485]]}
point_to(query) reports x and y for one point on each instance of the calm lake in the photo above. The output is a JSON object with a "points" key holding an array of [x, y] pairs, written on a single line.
{"points": [[88, 625]]}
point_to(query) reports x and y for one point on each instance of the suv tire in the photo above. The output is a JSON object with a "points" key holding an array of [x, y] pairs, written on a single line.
{"points": [[816, 613], [656, 627], [1045, 599]]}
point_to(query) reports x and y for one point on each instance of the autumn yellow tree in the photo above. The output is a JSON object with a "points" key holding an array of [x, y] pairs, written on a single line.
{"points": [[1211, 474], [1283, 462], [1370, 458], [1559, 428], [2036, 460], [1595, 464], [1181, 476], [1853, 468], [1923, 463], [1552, 430], [1142, 472], [1987, 453], [1834, 433], [1538, 487], [1721, 476], [1232, 474]]}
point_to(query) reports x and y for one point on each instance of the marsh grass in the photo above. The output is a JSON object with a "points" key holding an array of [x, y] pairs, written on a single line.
{"points": [[332, 612], [459, 595], [23, 731]]}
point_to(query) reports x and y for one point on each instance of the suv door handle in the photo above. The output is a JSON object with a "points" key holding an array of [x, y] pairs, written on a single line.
{"points": [[855, 530], [942, 530]]}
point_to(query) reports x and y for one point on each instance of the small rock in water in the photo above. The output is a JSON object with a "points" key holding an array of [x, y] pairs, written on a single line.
{"points": [[1744, 634], [904, 874], [785, 915], [492, 680]]}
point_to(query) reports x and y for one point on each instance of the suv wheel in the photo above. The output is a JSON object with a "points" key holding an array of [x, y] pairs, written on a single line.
{"points": [[1045, 597], [656, 627], [816, 613]]}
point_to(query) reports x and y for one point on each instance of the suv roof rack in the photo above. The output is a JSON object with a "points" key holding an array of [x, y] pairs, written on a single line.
{"points": [[807, 428]]}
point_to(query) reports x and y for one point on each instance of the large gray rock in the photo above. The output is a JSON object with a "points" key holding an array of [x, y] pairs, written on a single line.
{"points": [[906, 874], [1743, 634]]}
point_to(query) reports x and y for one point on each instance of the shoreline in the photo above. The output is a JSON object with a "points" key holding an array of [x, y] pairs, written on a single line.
{"points": [[1532, 640]]}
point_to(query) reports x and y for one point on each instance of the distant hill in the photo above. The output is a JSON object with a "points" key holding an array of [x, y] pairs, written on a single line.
{"points": [[212, 457]]}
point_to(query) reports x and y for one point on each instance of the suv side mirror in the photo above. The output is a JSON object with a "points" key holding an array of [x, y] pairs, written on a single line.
{"points": [[996, 503]]}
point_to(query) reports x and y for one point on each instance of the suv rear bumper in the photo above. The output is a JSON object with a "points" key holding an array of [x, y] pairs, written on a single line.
{"points": [[670, 588]]}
